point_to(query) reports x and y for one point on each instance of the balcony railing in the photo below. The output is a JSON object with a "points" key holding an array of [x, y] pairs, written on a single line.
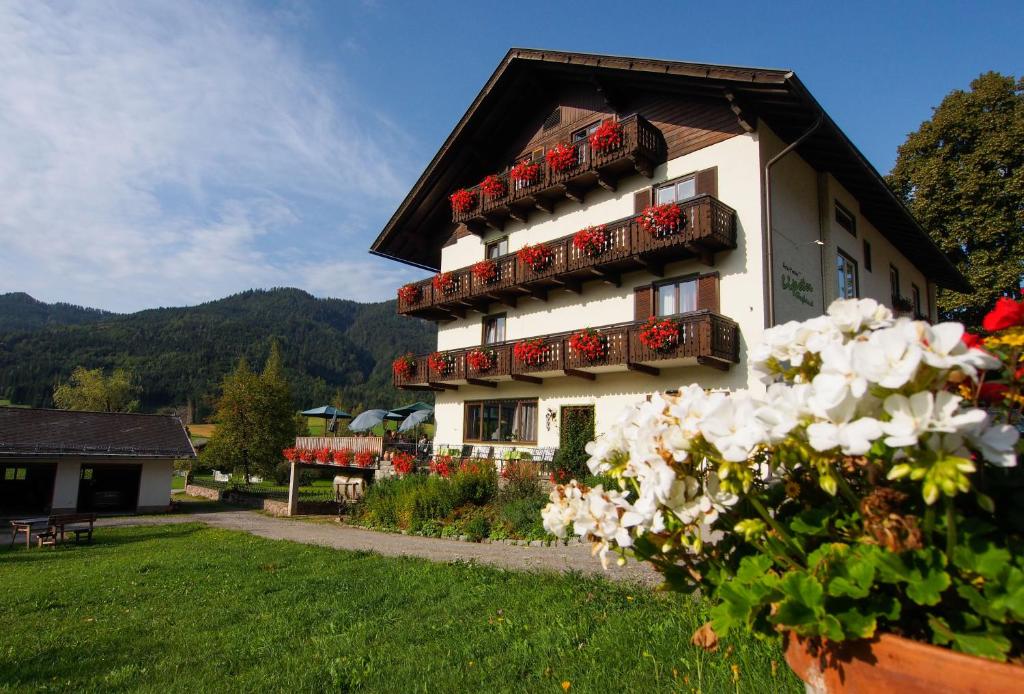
{"points": [[642, 148], [708, 225], [704, 338]]}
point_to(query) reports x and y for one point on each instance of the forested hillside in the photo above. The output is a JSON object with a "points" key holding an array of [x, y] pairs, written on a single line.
{"points": [[19, 311], [333, 349]]}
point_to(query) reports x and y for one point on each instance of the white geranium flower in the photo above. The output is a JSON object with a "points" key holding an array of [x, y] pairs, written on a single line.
{"points": [[997, 444], [944, 349], [853, 438], [732, 428], [782, 409], [909, 418], [889, 357], [851, 315]]}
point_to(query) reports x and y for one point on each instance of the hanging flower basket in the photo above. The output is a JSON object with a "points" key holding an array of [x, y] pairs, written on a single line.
{"points": [[441, 363], [530, 352], [463, 200], [485, 271], [525, 172], [404, 366], [343, 456], [364, 459], [660, 334], [607, 137], [441, 465], [409, 294], [492, 187], [537, 258], [590, 344], [562, 157], [403, 463], [481, 359], [444, 282], [662, 220], [591, 241]]}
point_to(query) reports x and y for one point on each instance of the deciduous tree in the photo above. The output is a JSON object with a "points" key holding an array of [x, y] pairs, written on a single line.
{"points": [[91, 389]]}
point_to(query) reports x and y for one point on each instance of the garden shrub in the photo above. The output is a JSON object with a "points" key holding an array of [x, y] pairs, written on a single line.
{"points": [[576, 431], [476, 526], [521, 480], [521, 518], [474, 484]]}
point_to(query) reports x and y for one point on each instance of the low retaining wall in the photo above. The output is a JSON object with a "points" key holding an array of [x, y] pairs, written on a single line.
{"points": [[205, 492], [275, 507]]}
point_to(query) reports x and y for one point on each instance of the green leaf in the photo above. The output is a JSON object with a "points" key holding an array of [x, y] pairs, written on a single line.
{"points": [[927, 588], [857, 624], [811, 522], [802, 602], [991, 644], [854, 579], [753, 568]]}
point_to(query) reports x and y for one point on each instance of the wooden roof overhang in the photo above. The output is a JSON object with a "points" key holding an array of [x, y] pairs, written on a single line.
{"points": [[526, 78]]}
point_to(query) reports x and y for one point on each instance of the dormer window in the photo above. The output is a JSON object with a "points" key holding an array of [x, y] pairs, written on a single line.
{"points": [[676, 191]]}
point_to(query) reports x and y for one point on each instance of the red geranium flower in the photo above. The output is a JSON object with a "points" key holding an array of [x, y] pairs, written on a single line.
{"points": [[441, 465], [306, 455], [323, 455], [537, 257], [404, 366], [661, 219], [531, 352], [444, 282], [660, 333], [290, 454], [364, 458], [607, 136], [972, 340], [480, 359], [590, 343], [1006, 314], [403, 463], [590, 240], [525, 172], [562, 157], [486, 271], [440, 362], [343, 456], [463, 200], [993, 393], [493, 187], [409, 293]]}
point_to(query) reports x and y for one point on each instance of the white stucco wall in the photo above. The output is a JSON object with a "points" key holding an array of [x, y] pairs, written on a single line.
{"points": [[65, 486], [154, 481], [155, 484]]}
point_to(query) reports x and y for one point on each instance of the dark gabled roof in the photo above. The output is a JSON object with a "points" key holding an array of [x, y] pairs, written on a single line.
{"points": [[415, 232], [25, 431]]}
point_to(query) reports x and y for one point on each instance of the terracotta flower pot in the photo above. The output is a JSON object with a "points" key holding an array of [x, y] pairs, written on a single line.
{"points": [[892, 664]]}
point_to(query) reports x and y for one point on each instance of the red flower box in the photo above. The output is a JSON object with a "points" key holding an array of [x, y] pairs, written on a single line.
{"points": [[486, 271], [343, 456], [364, 459], [404, 366], [290, 454], [590, 240], [440, 362], [408, 294], [306, 455], [403, 463], [589, 343], [562, 157], [323, 455], [662, 220], [530, 352], [441, 465], [538, 257], [607, 137], [660, 334], [525, 172], [444, 282], [481, 359], [492, 187], [463, 200]]}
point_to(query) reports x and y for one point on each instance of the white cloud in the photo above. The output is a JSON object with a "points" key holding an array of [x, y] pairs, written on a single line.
{"points": [[163, 154]]}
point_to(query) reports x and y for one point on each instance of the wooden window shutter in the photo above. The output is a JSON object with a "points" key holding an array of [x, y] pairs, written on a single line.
{"points": [[643, 301], [707, 292], [641, 200], [707, 182]]}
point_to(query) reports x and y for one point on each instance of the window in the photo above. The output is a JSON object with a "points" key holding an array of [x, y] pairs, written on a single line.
{"points": [[867, 255], [676, 296], [676, 191], [86, 473], [845, 219], [494, 329], [915, 297], [894, 284], [15, 473], [846, 275], [501, 420], [496, 249], [579, 138]]}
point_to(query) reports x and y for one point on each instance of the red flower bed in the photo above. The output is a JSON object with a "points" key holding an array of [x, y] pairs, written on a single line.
{"points": [[473, 466], [440, 362], [590, 343], [486, 271], [480, 359], [560, 476], [590, 240], [404, 366], [441, 465], [463, 200], [290, 454], [492, 187], [409, 293], [364, 459], [403, 463], [562, 157], [343, 456], [530, 352], [660, 333], [444, 282], [525, 172], [608, 136], [537, 257], [661, 220]]}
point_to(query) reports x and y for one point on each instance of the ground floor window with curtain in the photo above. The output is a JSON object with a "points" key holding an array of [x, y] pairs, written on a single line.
{"points": [[501, 420]]}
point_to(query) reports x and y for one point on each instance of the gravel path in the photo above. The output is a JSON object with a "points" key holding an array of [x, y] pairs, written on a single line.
{"points": [[573, 557]]}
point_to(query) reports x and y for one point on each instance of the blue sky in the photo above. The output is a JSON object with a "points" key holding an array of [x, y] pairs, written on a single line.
{"points": [[171, 153]]}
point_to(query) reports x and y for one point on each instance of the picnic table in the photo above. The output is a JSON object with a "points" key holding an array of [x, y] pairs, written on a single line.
{"points": [[52, 528], [27, 526]]}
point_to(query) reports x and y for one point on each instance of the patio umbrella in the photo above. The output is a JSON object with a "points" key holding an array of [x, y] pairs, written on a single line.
{"points": [[365, 421], [327, 412], [407, 410], [415, 419]]}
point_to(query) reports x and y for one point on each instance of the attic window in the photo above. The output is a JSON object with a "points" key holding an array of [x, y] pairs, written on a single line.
{"points": [[553, 119]]}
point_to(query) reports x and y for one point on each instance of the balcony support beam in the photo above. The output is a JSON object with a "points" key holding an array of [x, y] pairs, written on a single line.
{"points": [[520, 215], [523, 378], [702, 254], [612, 278], [606, 181], [476, 228], [713, 363], [495, 222], [544, 205], [654, 267], [643, 165], [436, 385], [585, 375], [481, 382], [419, 388], [573, 193], [643, 369]]}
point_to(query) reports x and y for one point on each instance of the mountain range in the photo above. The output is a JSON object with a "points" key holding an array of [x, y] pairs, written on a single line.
{"points": [[335, 351]]}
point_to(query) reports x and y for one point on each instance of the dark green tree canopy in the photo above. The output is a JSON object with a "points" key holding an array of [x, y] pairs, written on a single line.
{"points": [[962, 174]]}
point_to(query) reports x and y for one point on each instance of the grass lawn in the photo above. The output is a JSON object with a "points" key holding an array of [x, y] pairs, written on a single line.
{"points": [[189, 608], [177, 482]]}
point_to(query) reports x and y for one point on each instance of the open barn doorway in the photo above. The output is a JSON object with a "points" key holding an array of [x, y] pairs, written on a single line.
{"points": [[108, 488]]}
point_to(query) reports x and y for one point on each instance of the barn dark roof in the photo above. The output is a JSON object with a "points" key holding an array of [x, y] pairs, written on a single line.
{"points": [[421, 224], [26, 431]]}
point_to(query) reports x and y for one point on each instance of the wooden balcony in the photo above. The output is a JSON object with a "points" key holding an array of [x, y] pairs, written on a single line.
{"points": [[708, 226], [704, 338], [642, 148]]}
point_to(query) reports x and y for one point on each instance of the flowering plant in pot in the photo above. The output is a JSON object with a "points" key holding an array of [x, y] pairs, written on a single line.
{"points": [[404, 366], [444, 282], [463, 200], [364, 458], [409, 293], [485, 271], [306, 455], [607, 137], [530, 352], [590, 240], [862, 500], [562, 157], [660, 334], [441, 362], [525, 172], [661, 220], [404, 463], [492, 187], [538, 257], [480, 359], [343, 456], [323, 455], [589, 343]]}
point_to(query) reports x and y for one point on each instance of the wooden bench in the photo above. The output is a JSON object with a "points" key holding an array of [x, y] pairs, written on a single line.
{"points": [[78, 523]]}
